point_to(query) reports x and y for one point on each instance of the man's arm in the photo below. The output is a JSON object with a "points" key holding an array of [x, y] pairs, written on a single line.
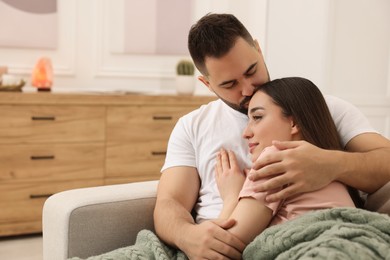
{"points": [[305, 167], [177, 193], [368, 166]]}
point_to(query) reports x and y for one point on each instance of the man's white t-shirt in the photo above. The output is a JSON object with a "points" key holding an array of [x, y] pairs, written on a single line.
{"points": [[198, 136]]}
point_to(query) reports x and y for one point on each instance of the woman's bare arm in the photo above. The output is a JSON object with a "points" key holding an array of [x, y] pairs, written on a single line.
{"points": [[251, 216]]}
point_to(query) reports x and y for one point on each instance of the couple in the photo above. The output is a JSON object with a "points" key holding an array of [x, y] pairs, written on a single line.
{"points": [[288, 109], [232, 65]]}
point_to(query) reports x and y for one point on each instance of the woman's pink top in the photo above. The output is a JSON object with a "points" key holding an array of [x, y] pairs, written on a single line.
{"points": [[331, 196]]}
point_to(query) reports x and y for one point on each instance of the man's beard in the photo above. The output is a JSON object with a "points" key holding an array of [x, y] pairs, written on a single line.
{"points": [[242, 107]]}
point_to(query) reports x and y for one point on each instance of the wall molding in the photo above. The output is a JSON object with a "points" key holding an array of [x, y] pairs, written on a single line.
{"points": [[113, 64], [22, 61]]}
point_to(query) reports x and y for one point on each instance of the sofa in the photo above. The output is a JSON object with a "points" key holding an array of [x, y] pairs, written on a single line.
{"points": [[90, 221]]}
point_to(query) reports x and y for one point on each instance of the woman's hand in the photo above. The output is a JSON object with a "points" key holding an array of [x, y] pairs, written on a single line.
{"points": [[228, 176]]}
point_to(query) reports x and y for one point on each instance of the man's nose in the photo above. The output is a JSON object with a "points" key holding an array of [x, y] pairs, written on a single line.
{"points": [[247, 88]]}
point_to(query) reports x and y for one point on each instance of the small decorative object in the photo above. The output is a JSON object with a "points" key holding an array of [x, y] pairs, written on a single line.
{"points": [[42, 76], [11, 83], [3, 70], [185, 81]]}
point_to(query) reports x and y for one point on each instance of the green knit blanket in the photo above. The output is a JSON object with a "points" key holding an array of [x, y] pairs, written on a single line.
{"points": [[339, 233], [147, 246]]}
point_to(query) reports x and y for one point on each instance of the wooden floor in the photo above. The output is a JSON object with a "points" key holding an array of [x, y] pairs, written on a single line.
{"points": [[21, 248]]}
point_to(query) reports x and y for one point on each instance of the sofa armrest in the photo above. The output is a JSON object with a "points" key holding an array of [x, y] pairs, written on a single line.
{"points": [[90, 221], [379, 201]]}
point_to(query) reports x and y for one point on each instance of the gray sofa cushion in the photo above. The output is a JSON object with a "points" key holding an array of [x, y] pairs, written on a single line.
{"points": [[122, 222]]}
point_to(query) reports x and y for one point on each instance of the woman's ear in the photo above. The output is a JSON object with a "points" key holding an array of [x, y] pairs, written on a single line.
{"points": [[294, 127]]}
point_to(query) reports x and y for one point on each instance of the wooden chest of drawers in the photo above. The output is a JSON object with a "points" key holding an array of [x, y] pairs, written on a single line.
{"points": [[55, 142]]}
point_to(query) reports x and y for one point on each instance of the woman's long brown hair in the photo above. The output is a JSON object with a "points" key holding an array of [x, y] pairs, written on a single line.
{"points": [[301, 99]]}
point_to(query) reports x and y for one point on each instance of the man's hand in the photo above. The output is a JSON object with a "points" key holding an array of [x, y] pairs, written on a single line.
{"points": [[299, 167], [211, 240]]}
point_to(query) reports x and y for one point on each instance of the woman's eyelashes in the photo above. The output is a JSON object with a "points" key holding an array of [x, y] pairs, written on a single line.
{"points": [[257, 117]]}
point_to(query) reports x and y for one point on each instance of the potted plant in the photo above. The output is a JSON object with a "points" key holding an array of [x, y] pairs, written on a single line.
{"points": [[185, 80]]}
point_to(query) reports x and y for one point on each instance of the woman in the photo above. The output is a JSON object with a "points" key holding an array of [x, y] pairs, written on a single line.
{"points": [[288, 109]]}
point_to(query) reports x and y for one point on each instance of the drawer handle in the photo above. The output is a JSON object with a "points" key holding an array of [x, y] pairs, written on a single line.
{"points": [[162, 117], [43, 118], [154, 153], [40, 196], [43, 157]]}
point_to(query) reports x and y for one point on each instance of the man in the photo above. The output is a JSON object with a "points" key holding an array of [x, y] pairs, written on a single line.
{"points": [[231, 64]]}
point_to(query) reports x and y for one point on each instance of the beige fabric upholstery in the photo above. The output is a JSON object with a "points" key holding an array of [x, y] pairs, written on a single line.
{"points": [[90, 221]]}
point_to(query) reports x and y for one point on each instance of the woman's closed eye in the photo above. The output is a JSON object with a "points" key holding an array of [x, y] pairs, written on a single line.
{"points": [[256, 117]]}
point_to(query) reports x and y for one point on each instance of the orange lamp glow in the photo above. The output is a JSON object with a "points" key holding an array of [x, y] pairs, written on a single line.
{"points": [[42, 76]]}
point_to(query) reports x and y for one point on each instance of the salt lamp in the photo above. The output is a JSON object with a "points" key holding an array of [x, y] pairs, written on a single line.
{"points": [[42, 76], [3, 70]]}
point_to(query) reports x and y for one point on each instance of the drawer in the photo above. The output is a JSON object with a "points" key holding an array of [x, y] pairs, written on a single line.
{"points": [[23, 203], [48, 124], [51, 162], [142, 123], [138, 160], [21, 228]]}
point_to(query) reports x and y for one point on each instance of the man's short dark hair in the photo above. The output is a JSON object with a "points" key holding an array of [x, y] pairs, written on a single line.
{"points": [[213, 36]]}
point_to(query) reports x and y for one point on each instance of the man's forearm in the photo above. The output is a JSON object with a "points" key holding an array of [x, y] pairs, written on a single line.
{"points": [[366, 171], [169, 224]]}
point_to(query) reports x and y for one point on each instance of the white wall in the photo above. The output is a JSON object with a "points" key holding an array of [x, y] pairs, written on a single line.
{"points": [[359, 69], [89, 36], [297, 39], [341, 45]]}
